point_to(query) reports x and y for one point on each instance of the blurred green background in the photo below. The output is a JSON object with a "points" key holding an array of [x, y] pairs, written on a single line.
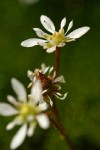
{"points": [[80, 65]]}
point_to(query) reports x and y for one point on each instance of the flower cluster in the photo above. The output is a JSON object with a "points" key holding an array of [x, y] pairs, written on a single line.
{"points": [[32, 109]]}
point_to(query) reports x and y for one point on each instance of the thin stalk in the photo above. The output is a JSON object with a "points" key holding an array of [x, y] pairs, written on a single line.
{"points": [[57, 53], [54, 116]]}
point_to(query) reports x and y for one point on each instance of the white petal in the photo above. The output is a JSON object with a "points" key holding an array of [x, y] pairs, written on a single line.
{"points": [[36, 92], [10, 125], [60, 79], [39, 32], [31, 129], [44, 91], [51, 69], [43, 121], [30, 85], [54, 74], [50, 50], [19, 89], [43, 106], [44, 68], [7, 110], [30, 74], [11, 99], [70, 26], [63, 23], [32, 42], [78, 32], [15, 122], [47, 23], [50, 101], [19, 137], [61, 96]]}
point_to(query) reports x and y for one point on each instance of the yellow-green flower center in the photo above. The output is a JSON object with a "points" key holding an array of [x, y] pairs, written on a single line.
{"points": [[56, 38], [27, 110]]}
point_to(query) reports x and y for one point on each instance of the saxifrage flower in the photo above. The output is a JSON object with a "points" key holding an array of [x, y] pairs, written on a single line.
{"points": [[55, 39], [26, 110], [49, 83]]}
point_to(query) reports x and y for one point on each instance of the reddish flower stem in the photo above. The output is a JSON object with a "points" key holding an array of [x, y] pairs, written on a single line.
{"points": [[55, 120], [57, 60], [64, 136]]}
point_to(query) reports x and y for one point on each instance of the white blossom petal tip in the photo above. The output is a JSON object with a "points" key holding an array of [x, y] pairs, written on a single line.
{"points": [[19, 137], [43, 121], [78, 32], [43, 106], [60, 79], [30, 74], [7, 110], [11, 99], [63, 23], [31, 130], [51, 69], [19, 89], [47, 23], [50, 50], [32, 42], [70, 26], [39, 32], [10, 125], [50, 101], [61, 96], [36, 92]]}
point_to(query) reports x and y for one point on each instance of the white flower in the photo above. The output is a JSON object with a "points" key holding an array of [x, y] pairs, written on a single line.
{"points": [[26, 110], [49, 83], [55, 39]]}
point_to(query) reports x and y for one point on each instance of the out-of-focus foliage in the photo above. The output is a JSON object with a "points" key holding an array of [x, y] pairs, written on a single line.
{"points": [[80, 64]]}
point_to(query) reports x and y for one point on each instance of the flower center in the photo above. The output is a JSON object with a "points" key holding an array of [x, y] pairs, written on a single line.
{"points": [[45, 81], [26, 110], [47, 84], [56, 38]]}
